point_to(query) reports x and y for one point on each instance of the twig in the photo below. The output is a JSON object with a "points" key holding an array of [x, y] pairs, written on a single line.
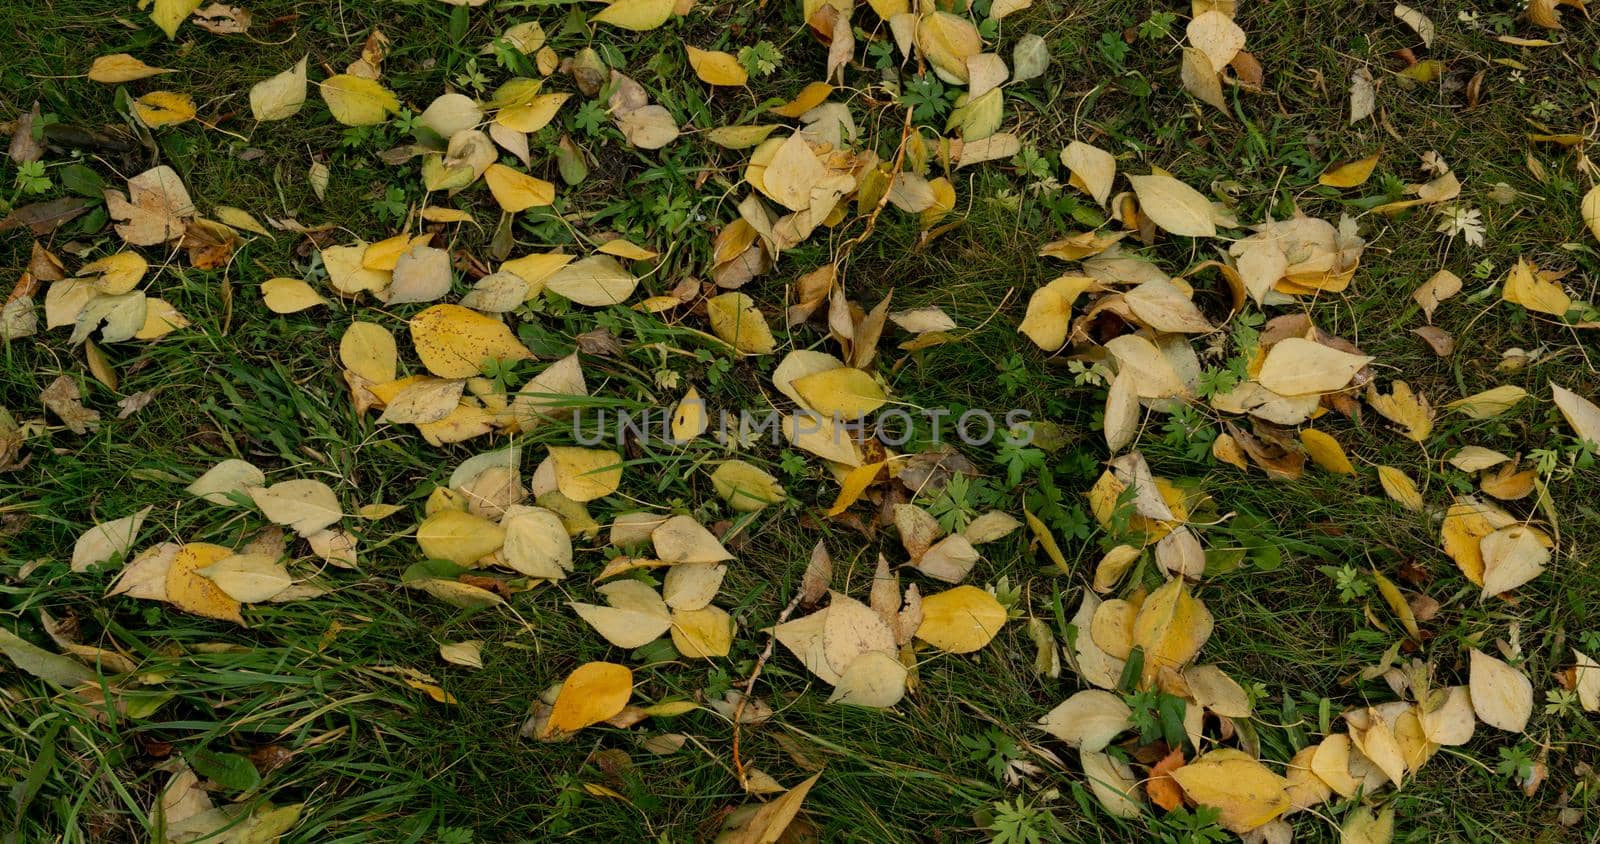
{"points": [[750, 685]]}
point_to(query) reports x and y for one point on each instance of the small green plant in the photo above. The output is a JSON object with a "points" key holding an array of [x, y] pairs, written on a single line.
{"points": [[1516, 762], [1157, 27], [1180, 826], [1113, 50], [994, 750], [1019, 822], [927, 98], [761, 58], [957, 504], [1351, 582], [31, 177]]}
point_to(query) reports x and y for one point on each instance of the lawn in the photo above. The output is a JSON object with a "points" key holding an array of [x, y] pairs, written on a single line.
{"points": [[1149, 247]]}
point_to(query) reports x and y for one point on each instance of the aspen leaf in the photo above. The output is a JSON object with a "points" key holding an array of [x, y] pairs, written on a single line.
{"points": [[516, 191], [1512, 556], [248, 578], [468, 654], [1501, 695], [1489, 403], [189, 591], [1089, 719], [1174, 206], [874, 679], [279, 97], [1216, 36], [1590, 209], [681, 539], [1450, 720], [289, 295], [739, 323], [1200, 80], [715, 67], [357, 101], [1440, 286], [636, 615], [46, 665], [1351, 174], [1049, 312], [846, 392], [458, 536], [164, 108], [1113, 783], [1581, 414], [121, 67], [1404, 408], [1299, 367], [1162, 307], [704, 633], [304, 505], [1475, 458], [1092, 169], [768, 824], [229, 476], [1400, 487], [1153, 374], [691, 586], [170, 14], [596, 281], [536, 543], [1326, 452], [455, 342], [1525, 287], [1586, 681], [594, 692], [635, 15], [745, 487], [1244, 790], [584, 474], [1331, 764], [107, 540], [369, 350], [1171, 626], [960, 620], [947, 41]]}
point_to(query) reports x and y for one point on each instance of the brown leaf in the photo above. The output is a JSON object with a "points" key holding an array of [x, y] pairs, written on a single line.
{"points": [[43, 218], [1247, 71], [1438, 339], [221, 19], [64, 399], [1272, 449], [819, 573], [23, 147]]}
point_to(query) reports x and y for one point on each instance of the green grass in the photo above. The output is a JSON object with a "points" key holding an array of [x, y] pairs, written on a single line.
{"points": [[375, 760]]}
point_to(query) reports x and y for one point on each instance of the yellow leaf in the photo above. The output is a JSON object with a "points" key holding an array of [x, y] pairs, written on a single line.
{"points": [[1581, 414], [854, 484], [689, 418], [1489, 403], [455, 342], [1300, 367], [1172, 625], [357, 101], [715, 67], [1351, 174], [1047, 541], [1398, 604], [304, 505], [740, 137], [1405, 408], [767, 825], [636, 15], [121, 67], [164, 108], [281, 96], [1326, 452], [458, 536], [746, 488], [739, 323], [705, 633], [1092, 169], [584, 474], [1244, 790], [369, 350], [194, 593], [596, 281], [1049, 312], [1174, 206], [516, 191], [592, 693], [947, 41], [846, 392], [621, 247], [170, 14], [1524, 287], [1399, 486], [809, 98], [533, 115], [1215, 35], [1591, 210], [1501, 695], [960, 620], [115, 274], [289, 295]]}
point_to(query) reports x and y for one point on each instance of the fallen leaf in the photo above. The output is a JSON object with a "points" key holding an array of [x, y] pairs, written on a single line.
{"points": [[1247, 794], [1174, 206], [593, 692], [1501, 695], [107, 540], [455, 342], [279, 97], [960, 620]]}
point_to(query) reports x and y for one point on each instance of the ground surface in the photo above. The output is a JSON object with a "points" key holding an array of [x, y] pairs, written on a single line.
{"points": [[308, 687]]}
